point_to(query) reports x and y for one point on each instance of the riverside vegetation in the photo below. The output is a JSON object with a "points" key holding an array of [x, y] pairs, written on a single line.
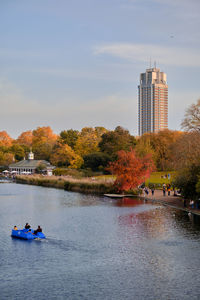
{"points": [[93, 149], [84, 185]]}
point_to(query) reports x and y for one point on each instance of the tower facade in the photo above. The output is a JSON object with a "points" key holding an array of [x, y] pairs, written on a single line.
{"points": [[152, 101]]}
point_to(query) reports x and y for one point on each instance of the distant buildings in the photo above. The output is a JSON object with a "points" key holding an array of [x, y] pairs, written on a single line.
{"points": [[152, 101], [29, 166]]}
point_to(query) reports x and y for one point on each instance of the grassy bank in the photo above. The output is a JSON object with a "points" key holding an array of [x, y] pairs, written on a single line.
{"points": [[158, 178], [83, 185], [96, 185]]}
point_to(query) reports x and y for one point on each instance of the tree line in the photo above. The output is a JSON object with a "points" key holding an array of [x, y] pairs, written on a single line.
{"points": [[93, 148]]}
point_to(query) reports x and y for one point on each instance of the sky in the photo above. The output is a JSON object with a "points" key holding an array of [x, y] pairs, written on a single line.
{"points": [[76, 63]]}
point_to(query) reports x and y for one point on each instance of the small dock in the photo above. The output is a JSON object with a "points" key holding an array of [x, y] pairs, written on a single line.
{"points": [[119, 196]]}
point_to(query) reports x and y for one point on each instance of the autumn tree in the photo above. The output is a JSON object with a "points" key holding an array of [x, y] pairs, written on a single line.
{"points": [[131, 170], [69, 137], [5, 139], [25, 138], [191, 121], [64, 156], [44, 134], [144, 146], [87, 142], [18, 151], [162, 142], [6, 159], [159, 145], [43, 141], [114, 141], [100, 131], [186, 150]]}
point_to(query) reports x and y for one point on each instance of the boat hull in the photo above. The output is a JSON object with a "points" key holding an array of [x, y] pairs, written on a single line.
{"points": [[24, 234]]}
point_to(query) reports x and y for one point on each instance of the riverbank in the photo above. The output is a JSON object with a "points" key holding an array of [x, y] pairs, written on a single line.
{"points": [[83, 185], [171, 201], [101, 186]]}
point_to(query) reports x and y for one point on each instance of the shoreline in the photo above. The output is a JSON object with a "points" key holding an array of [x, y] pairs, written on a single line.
{"points": [[67, 183], [91, 186], [172, 201]]}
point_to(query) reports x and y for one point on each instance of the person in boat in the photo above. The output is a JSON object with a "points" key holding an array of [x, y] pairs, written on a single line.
{"points": [[27, 226], [29, 231], [39, 229], [15, 227]]}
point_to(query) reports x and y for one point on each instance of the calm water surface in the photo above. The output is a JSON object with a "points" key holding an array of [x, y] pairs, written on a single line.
{"points": [[96, 248]]}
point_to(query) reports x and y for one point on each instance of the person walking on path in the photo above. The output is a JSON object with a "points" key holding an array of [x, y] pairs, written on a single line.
{"points": [[146, 191], [168, 189], [164, 189], [152, 190], [191, 203]]}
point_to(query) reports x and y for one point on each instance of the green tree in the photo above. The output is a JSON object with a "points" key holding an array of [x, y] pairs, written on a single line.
{"points": [[114, 141], [42, 150], [96, 161], [69, 137], [18, 151], [41, 168], [187, 181]]}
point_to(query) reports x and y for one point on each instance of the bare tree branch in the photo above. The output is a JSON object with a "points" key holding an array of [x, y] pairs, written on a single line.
{"points": [[191, 122]]}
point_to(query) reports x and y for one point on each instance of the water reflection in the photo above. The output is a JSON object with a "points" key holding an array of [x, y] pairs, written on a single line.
{"points": [[153, 220], [129, 202], [96, 248]]}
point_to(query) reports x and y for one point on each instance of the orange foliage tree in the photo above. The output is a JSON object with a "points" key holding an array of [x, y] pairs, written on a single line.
{"points": [[5, 139], [44, 134], [43, 141], [25, 138], [130, 170]]}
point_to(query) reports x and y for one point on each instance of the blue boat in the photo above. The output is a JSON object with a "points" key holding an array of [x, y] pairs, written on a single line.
{"points": [[25, 234]]}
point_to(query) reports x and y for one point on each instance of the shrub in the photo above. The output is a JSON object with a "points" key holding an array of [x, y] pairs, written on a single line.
{"points": [[187, 182]]}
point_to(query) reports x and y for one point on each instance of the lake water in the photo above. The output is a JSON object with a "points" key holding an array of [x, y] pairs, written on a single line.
{"points": [[96, 248]]}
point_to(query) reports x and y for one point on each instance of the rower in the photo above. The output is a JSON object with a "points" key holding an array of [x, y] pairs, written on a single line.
{"points": [[39, 229], [27, 226]]}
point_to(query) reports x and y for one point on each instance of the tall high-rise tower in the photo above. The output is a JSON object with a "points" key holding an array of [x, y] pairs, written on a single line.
{"points": [[152, 101]]}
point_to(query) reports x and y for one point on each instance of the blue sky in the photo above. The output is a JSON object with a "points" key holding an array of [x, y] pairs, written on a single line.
{"points": [[76, 63]]}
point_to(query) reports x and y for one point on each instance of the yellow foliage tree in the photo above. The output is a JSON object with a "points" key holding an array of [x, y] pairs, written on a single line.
{"points": [[6, 159], [87, 142], [64, 155]]}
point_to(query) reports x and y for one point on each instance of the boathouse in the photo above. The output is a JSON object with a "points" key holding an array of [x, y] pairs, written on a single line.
{"points": [[29, 166]]}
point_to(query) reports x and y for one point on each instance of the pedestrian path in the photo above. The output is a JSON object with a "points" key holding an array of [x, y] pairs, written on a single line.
{"points": [[173, 201]]}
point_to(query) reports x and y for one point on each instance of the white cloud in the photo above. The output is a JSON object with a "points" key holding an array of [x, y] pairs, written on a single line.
{"points": [[142, 52]]}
